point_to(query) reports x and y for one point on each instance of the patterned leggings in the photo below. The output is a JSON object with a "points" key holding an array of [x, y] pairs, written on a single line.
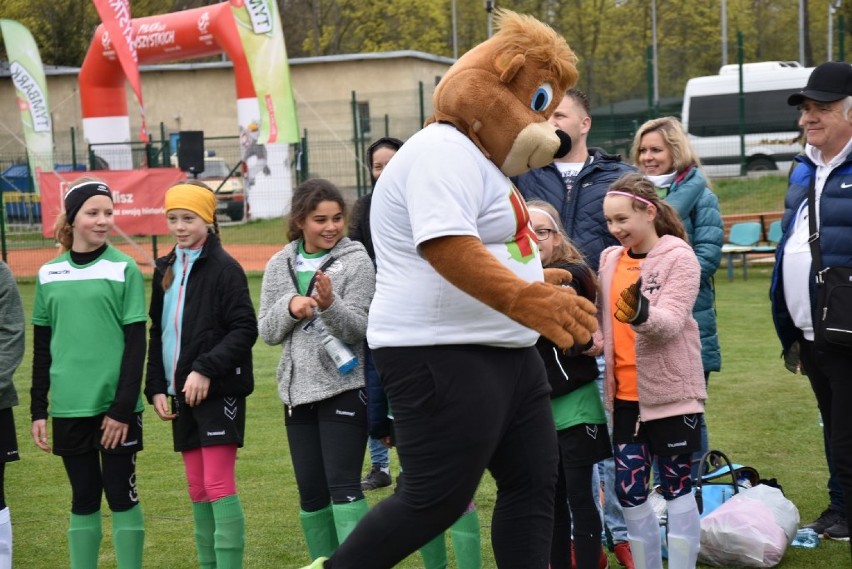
{"points": [[633, 471]]}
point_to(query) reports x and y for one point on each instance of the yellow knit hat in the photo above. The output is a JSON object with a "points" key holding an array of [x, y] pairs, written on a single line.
{"points": [[201, 201]]}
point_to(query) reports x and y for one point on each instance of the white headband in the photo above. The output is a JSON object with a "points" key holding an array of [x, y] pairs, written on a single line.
{"points": [[550, 217]]}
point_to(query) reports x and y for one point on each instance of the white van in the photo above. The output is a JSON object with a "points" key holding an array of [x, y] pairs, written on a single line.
{"points": [[772, 136]]}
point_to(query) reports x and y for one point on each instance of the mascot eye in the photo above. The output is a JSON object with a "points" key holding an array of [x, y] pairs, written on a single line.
{"points": [[542, 97]]}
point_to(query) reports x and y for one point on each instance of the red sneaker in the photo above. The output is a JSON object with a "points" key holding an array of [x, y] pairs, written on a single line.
{"points": [[604, 561], [623, 555]]}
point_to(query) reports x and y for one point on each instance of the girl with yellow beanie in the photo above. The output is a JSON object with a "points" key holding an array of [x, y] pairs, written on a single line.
{"points": [[200, 367]]}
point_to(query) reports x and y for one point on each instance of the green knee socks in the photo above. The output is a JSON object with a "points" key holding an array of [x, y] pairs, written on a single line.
{"points": [[205, 525], [229, 536], [346, 517], [128, 536], [84, 540], [320, 533], [466, 541], [434, 553], [466, 545]]}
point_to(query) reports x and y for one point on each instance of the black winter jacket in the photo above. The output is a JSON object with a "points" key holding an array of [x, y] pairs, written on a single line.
{"points": [[219, 326], [569, 369], [582, 215]]}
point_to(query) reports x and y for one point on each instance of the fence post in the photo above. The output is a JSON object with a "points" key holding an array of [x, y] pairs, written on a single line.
{"points": [[3, 226], [741, 105], [356, 130], [73, 150], [422, 105]]}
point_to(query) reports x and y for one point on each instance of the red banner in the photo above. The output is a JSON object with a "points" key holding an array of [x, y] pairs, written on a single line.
{"points": [[115, 14], [139, 197]]}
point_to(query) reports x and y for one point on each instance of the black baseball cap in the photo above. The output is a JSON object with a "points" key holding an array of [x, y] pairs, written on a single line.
{"points": [[829, 82]]}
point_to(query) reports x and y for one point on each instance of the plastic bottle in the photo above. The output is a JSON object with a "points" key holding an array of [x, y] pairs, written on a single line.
{"points": [[807, 538], [340, 353], [337, 350]]}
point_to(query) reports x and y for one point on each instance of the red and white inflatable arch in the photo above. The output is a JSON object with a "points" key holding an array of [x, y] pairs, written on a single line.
{"points": [[182, 35]]}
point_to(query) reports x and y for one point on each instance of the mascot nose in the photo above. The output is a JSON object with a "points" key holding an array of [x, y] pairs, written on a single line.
{"points": [[564, 144]]}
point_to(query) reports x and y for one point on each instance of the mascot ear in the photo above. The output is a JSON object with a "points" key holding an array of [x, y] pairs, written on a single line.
{"points": [[512, 69]]}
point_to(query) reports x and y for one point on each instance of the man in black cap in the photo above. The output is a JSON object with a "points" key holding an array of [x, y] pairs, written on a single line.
{"points": [[824, 170]]}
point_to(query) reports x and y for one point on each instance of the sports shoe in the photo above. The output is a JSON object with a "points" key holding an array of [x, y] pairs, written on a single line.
{"points": [[603, 563], [826, 520], [623, 555], [839, 531], [377, 478]]}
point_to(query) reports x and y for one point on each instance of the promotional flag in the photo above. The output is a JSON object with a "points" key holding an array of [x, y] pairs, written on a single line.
{"points": [[28, 77], [259, 27], [115, 15]]}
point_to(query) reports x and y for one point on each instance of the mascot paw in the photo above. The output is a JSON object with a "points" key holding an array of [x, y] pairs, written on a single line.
{"points": [[558, 277], [557, 313]]}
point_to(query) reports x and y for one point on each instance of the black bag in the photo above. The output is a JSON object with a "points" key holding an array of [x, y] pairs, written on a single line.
{"points": [[833, 317], [834, 306]]}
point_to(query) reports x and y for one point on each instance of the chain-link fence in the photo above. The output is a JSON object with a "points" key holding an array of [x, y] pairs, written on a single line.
{"points": [[335, 136]]}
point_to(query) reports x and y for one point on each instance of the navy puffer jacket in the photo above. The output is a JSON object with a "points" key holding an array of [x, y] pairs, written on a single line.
{"points": [[582, 215], [835, 234]]}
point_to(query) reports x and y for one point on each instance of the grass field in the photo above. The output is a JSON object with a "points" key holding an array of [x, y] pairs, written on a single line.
{"points": [[758, 413]]}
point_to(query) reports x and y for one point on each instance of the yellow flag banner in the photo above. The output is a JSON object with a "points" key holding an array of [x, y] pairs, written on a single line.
{"points": [[259, 27]]}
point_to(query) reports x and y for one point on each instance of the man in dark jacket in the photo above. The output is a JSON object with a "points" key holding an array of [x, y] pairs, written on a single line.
{"points": [[825, 115], [576, 185]]}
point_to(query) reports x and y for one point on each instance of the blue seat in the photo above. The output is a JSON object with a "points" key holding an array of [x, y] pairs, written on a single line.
{"points": [[773, 238], [742, 240], [775, 232]]}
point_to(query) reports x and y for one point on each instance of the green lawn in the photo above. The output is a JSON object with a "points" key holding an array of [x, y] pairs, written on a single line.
{"points": [[758, 413]]}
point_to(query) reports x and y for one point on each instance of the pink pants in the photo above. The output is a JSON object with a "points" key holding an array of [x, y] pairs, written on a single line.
{"points": [[210, 472]]}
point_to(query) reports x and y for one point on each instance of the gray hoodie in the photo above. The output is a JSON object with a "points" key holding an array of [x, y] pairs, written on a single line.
{"points": [[306, 373], [12, 324]]}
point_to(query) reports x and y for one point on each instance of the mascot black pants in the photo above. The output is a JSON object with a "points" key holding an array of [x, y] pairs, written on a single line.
{"points": [[459, 410]]}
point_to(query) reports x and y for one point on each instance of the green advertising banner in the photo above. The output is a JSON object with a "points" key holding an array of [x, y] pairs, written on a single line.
{"points": [[28, 77], [259, 26]]}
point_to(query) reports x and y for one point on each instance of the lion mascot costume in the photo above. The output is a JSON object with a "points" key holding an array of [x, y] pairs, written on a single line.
{"points": [[460, 301]]}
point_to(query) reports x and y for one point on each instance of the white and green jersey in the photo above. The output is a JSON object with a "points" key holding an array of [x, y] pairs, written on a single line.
{"points": [[87, 307]]}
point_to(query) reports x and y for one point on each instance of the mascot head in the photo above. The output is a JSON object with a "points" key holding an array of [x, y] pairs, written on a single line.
{"points": [[501, 93]]}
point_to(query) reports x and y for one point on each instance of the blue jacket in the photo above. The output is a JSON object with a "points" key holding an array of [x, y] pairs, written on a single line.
{"points": [[835, 235], [582, 216], [699, 210]]}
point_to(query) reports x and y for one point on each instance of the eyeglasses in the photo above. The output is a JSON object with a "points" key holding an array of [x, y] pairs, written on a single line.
{"points": [[544, 234]]}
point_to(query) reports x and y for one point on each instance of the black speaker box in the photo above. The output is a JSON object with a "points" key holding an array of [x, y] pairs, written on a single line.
{"points": [[191, 151]]}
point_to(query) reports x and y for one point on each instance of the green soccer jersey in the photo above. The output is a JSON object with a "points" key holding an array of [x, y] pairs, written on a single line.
{"points": [[87, 307]]}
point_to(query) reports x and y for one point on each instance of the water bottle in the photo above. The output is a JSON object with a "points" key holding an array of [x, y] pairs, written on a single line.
{"points": [[340, 354], [807, 538], [337, 350]]}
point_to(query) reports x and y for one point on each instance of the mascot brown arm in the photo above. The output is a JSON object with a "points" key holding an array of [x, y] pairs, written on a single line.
{"points": [[555, 312]]}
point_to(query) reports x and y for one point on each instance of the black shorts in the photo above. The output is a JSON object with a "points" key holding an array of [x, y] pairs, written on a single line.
{"points": [[79, 435], [670, 436], [584, 445], [217, 421], [347, 407], [8, 437]]}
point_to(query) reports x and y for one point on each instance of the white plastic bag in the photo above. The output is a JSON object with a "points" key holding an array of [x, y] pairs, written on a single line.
{"points": [[752, 529]]}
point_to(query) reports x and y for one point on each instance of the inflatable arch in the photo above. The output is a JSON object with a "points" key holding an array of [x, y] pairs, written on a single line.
{"points": [[193, 33]]}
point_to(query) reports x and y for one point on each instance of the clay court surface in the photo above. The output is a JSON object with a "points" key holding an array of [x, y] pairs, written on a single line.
{"points": [[26, 262]]}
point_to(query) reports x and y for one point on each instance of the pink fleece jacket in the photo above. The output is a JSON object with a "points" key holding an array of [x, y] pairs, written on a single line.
{"points": [[669, 373]]}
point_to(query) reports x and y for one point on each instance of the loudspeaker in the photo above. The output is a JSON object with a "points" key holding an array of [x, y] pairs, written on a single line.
{"points": [[191, 151]]}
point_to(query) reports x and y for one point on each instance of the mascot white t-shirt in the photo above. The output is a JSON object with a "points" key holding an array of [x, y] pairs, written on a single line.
{"points": [[440, 184]]}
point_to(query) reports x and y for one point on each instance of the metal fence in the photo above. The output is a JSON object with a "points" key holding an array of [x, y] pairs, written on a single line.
{"points": [[335, 136]]}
